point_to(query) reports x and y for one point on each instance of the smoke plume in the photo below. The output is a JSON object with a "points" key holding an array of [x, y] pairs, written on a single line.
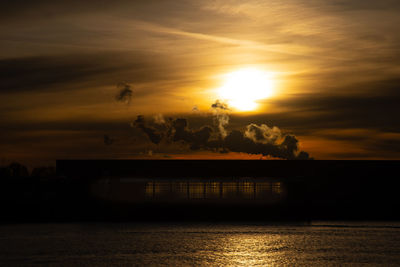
{"points": [[159, 119], [221, 117], [262, 133]]}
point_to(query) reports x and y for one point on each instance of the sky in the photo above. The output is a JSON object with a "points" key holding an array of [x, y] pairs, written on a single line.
{"points": [[101, 80]]}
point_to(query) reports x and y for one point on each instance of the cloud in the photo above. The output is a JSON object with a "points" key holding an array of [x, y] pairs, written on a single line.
{"points": [[125, 93], [57, 72], [148, 9], [174, 130], [374, 109], [195, 109], [340, 5], [108, 140], [256, 139], [154, 136], [35, 73], [219, 105], [67, 45], [197, 139], [236, 141]]}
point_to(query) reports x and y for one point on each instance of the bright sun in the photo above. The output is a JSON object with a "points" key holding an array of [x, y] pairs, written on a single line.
{"points": [[242, 88]]}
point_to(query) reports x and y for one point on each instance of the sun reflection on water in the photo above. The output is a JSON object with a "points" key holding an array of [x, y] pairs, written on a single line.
{"points": [[251, 249]]}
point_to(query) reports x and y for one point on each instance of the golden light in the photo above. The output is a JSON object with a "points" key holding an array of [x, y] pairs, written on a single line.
{"points": [[242, 88]]}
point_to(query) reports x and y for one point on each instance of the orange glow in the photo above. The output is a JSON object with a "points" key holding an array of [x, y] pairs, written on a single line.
{"points": [[242, 88]]}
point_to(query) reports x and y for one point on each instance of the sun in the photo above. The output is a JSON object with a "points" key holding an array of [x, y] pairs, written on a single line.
{"points": [[242, 88]]}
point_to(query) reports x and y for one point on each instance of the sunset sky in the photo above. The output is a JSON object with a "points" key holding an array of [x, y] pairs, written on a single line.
{"points": [[331, 68]]}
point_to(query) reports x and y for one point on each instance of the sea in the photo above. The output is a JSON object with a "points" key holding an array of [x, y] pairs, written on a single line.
{"points": [[329, 243]]}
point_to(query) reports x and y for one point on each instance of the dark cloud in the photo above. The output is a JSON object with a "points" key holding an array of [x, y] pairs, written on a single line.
{"points": [[33, 73], [236, 141], [125, 93], [389, 146], [36, 9], [150, 10], [344, 5], [256, 139], [95, 69], [108, 140], [266, 144], [220, 105], [307, 113], [195, 138], [174, 130], [154, 135]]}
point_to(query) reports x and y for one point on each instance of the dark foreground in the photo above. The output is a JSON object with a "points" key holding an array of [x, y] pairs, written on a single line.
{"points": [[215, 191], [127, 244]]}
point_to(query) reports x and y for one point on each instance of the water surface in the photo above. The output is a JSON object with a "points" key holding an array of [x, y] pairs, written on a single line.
{"points": [[101, 244]]}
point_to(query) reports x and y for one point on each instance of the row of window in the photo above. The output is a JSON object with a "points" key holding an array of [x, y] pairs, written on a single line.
{"points": [[213, 190]]}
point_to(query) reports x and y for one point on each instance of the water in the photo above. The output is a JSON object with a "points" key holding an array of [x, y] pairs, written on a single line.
{"points": [[101, 244]]}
